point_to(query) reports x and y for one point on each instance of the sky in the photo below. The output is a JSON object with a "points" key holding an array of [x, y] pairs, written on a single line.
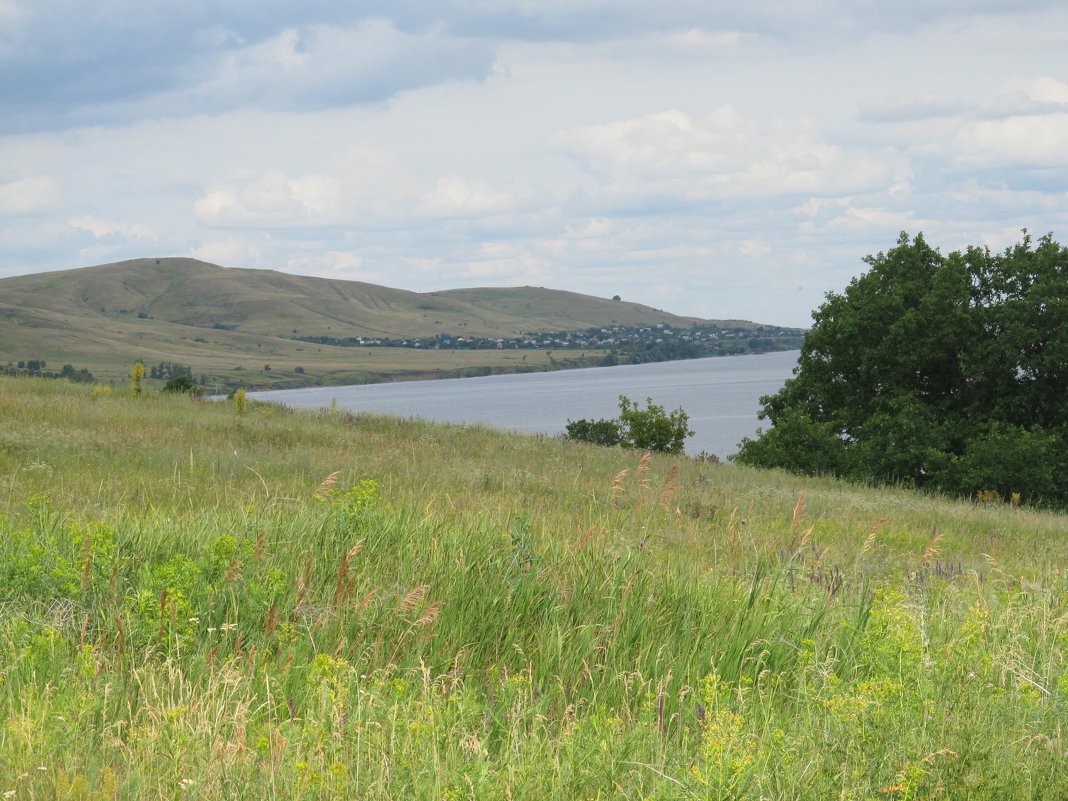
{"points": [[709, 158]]}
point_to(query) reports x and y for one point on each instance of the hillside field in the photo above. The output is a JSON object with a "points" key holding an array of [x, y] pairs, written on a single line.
{"points": [[238, 327], [200, 601]]}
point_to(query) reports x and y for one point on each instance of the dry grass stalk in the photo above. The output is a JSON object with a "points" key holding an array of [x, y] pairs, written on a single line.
{"points": [[266, 489], [806, 538], [343, 585], [270, 620], [585, 540], [671, 486], [412, 599], [304, 582], [122, 637], [233, 569], [324, 489], [643, 467], [933, 548], [430, 614], [261, 543], [873, 531], [366, 600], [799, 513], [617, 482]]}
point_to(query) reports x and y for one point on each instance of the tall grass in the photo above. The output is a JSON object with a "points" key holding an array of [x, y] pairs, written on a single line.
{"points": [[200, 604]]}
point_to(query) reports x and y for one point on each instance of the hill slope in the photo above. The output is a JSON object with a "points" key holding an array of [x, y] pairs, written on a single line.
{"points": [[224, 321], [195, 293], [191, 611]]}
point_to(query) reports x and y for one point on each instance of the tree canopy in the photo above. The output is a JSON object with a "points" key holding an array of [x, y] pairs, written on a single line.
{"points": [[940, 371]]}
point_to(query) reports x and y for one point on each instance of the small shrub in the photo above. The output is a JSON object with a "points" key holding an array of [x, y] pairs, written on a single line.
{"points": [[597, 432], [653, 429], [181, 384], [649, 429]]}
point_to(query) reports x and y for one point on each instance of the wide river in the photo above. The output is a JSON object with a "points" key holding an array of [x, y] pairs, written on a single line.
{"points": [[720, 394]]}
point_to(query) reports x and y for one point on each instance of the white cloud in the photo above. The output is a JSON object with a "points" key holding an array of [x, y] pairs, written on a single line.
{"points": [[330, 264], [29, 195], [1029, 95], [103, 228], [723, 155], [1033, 140], [710, 151], [1000, 200], [271, 199], [317, 66], [508, 263], [230, 252], [837, 215], [925, 106], [456, 197]]}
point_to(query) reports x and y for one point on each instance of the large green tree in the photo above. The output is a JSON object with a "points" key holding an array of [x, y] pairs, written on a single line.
{"points": [[944, 371]]}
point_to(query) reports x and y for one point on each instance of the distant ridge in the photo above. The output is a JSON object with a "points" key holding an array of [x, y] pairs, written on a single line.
{"points": [[227, 319], [195, 293]]}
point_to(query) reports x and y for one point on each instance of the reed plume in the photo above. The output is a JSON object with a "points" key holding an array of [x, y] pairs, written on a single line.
{"points": [[328, 483], [412, 599], [933, 549]]}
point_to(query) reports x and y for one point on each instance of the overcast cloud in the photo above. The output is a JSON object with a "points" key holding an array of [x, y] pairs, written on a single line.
{"points": [[709, 158]]}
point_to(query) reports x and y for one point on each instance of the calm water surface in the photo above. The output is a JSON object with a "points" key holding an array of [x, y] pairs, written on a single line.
{"points": [[721, 395]]}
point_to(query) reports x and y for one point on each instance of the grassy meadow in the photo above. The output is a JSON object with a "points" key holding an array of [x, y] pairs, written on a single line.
{"points": [[200, 602]]}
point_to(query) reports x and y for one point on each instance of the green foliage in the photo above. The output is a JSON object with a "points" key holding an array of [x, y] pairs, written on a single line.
{"points": [[498, 617], [652, 428], [82, 376], [169, 370], [181, 384], [948, 372], [598, 432], [35, 367], [649, 429]]}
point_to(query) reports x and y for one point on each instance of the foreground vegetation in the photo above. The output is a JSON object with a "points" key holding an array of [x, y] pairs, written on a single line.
{"points": [[201, 603]]}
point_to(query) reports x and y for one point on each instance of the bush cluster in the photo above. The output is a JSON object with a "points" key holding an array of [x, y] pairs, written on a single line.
{"points": [[649, 429]]}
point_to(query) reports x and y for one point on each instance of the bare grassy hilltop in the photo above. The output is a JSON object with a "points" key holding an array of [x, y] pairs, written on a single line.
{"points": [[230, 325]]}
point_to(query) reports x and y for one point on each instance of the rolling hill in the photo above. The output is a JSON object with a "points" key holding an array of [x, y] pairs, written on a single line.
{"points": [[226, 321]]}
